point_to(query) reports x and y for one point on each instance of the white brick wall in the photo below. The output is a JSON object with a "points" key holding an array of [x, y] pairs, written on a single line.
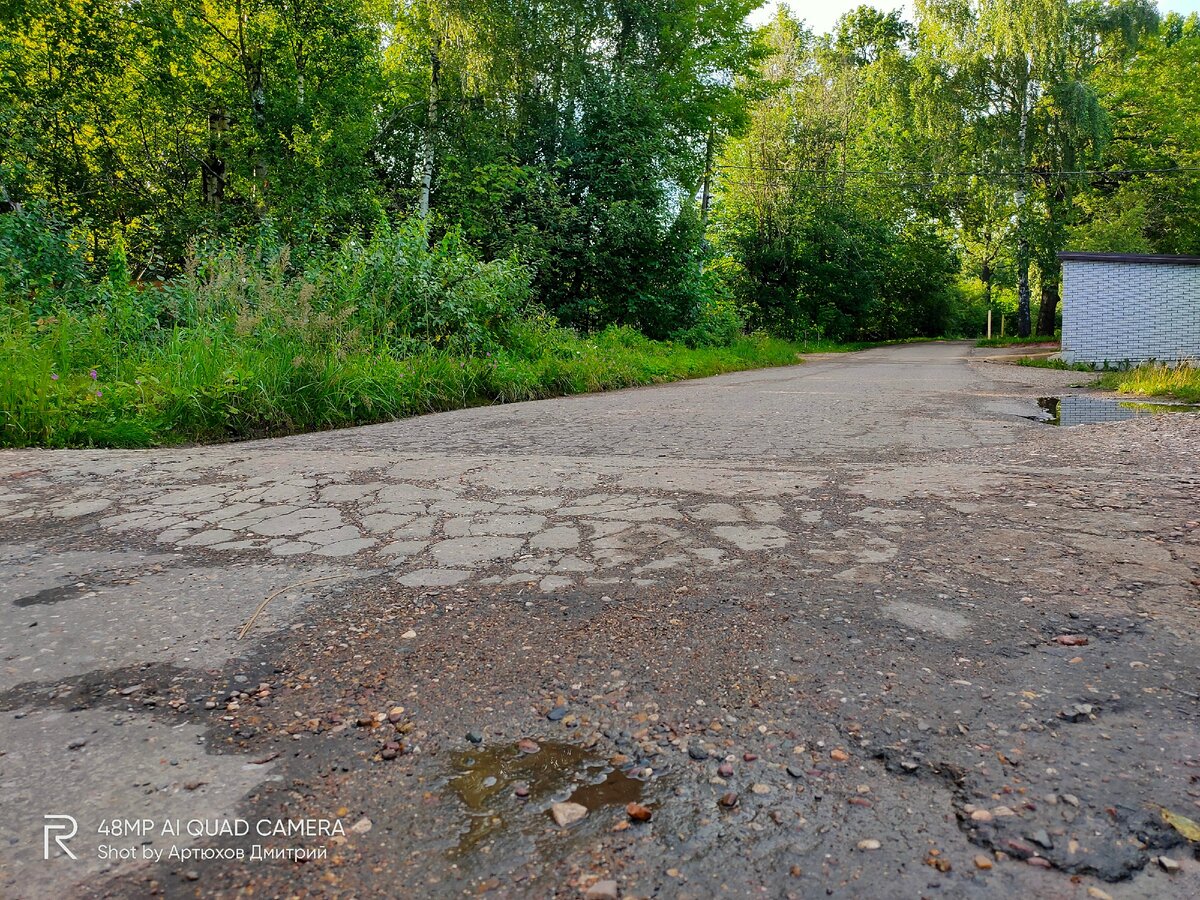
{"points": [[1132, 309]]}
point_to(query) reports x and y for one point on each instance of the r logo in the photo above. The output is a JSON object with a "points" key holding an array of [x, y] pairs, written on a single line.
{"points": [[58, 823]]}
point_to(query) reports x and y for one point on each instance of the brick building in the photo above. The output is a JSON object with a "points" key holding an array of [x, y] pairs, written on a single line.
{"points": [[1129, 308]]}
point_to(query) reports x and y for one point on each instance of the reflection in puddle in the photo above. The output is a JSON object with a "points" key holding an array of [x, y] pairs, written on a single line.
{"points": [[1092, 410], [486, 781]]}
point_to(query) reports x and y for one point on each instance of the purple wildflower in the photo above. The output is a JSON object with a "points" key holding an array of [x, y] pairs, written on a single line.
{"points": [[99, 393], [54, 376], [93, 374]]}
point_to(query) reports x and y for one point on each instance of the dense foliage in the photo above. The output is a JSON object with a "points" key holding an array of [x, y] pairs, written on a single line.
{"points": [[206, 192]]}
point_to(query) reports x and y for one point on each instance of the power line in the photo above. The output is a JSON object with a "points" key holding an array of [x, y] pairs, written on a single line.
{"points": [[902, 174]]}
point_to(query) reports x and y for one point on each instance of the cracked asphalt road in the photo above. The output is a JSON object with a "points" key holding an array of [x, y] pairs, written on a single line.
{"points": [[854, 628]]}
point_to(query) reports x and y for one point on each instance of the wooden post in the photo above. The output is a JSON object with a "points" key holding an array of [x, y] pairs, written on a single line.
{"points": [[989, 324]]}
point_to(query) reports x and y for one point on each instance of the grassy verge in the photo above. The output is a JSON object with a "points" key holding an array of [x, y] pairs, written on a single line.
{"points": [[1016, 341], [1180, 382], [213, 385], [1041, 362], [1156, 380]]}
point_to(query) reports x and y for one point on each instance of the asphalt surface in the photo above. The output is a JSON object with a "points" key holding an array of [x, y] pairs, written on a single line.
{"points": [[860, 627]]}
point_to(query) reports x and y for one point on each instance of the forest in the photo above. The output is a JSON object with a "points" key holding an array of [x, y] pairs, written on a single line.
{"points": [[228, 218]]}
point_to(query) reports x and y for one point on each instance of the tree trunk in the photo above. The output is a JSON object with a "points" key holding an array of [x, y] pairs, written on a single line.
{"points": [[430, 133], [1047, 314], [212, 169], [1023, 323]]}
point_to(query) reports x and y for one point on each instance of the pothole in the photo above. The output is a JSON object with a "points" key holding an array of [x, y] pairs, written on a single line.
{"points": [[503, 788], [1068, 411]]}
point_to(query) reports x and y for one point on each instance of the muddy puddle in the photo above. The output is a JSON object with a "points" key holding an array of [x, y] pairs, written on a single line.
{"points": [[506, 791], [1068, 411]]}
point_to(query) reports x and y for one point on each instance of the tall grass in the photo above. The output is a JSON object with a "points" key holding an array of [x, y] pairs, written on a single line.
{"points": [[242, 346], [1157, 380]]}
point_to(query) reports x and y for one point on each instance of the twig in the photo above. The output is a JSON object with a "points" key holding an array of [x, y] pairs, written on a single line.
{"points": [[254, 618]]}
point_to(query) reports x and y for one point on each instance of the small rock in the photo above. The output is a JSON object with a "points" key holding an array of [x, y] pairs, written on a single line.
{"points": [[362, 826], [729, 800], [725, 770], [132, 689], [1168, 865], [191, 875], [1042, 839], [602, 890], [475, 737], [698, 753], [1001, 811], [556, 713], [760, 788], [749, 757], [1096, 894], [1071, 640], [395, 714], [409, 635], [521, 790], [565, 814], [77, 745], [525, 745], [1040, 862], [869, 844], [639, 813], [839, 755], [795, 771], [982, 862], [1071, 799]]}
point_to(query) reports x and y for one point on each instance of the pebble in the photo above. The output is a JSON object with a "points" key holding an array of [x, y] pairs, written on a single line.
{"points": [[556, 713], [839, 755], [1042, 839], [982, 862], [698, 753], [395, 714], [409, 635], [795, 771], [525, 745], [475, 737], [760, 788], [191, 875], [1096, 894], [362, 826], [981, 815], [725, 770], [1168, 865], [869, 844], [77, 745], [1071, 640], [565, 814], [729, 800], [521, 790], [639, 813], [602, 890], [749, 757]]}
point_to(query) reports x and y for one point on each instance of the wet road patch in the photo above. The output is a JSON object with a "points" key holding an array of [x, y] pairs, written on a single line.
{"points": [[1069, 411], [507, 788]]}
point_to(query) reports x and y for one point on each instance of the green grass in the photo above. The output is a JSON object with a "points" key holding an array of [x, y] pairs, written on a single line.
{"points": [[214, 384], [1181, 382], [827, 346], [1016, 341], [1041, 362]]}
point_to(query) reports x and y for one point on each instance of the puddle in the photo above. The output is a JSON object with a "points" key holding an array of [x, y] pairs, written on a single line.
{"points": [[1092, 410], [486, 781]]}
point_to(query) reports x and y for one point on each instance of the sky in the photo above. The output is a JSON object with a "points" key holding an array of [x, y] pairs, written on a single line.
{"points": [[821, 14]]}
